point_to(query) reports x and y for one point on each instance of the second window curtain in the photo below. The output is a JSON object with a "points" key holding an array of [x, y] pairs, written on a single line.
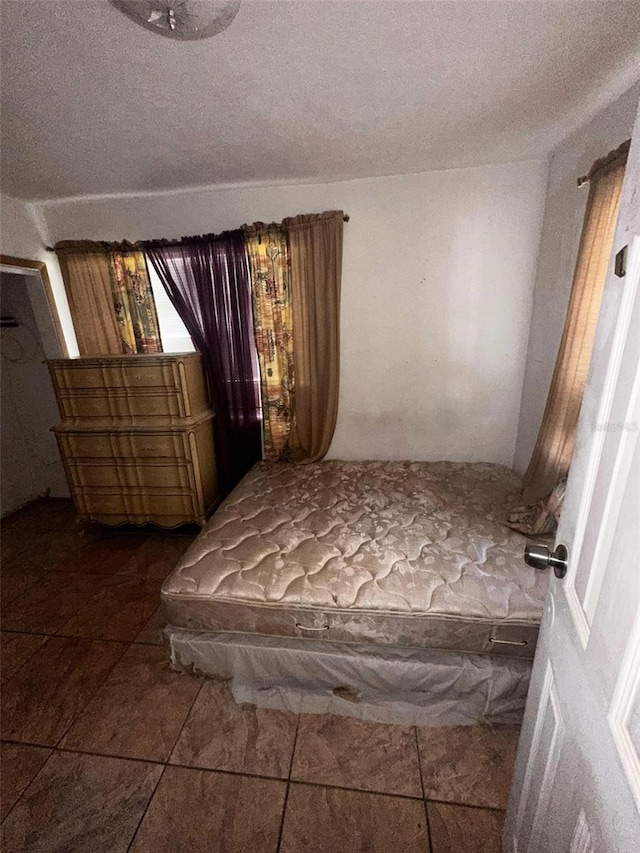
{"points": [[208, 282], [315, 246], [554, 446]]}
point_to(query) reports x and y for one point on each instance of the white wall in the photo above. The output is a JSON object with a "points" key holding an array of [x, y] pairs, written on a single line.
{"points": [[437, 283], [23, 235], [31, 464], [564, 213]]}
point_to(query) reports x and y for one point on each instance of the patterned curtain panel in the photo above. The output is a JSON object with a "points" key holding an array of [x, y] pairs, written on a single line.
{"points": [[133, 302], [272, 318]]}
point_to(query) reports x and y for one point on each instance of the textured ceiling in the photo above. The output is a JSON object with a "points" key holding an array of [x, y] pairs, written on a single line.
{"points": [[299, 90]]}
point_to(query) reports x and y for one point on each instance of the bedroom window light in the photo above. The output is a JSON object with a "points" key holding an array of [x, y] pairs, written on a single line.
{"points": [[173, 332]]}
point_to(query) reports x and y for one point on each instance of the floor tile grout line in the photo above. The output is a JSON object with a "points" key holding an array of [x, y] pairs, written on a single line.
{"points": [[288, 788], [467, 805], [415, 737], [60, 630], [184, 722], [70, 637], [102, 682], [250, 775], [24, 592], [31, 781], [264, 777], [129, 647], [9, 681], [96, 598], [427, 828], [56, 632], [167, 763], [295, 743], [24, 633], [15, 742], [51, 636], [91, 598], [99, 638], [6, 680], [424, 799], [88, 752], [146, 808], [284, 812], [394, 793], [357, 790]]}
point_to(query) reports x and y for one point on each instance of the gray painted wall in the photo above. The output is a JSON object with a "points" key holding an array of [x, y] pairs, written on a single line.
{"points": [[437, 282], [564, 213]]}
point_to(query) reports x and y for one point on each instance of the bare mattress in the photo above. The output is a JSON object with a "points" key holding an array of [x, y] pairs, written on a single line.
{"points": [[411, 554]]}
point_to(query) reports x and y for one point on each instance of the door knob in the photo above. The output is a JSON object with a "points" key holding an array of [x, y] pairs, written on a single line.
{"points": [[540, 557]]}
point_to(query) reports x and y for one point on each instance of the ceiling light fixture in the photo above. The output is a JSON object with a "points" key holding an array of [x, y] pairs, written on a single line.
{"points": [[185, 20]]}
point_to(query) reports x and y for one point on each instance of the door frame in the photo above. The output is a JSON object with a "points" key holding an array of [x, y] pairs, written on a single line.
{"points": [[24, 266]]}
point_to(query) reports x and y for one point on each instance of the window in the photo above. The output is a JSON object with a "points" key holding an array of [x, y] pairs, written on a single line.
{"points": [[173, 332]]}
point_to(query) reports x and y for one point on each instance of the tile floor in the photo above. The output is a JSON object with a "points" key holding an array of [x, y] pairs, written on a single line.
{"points": [[104, 748]]}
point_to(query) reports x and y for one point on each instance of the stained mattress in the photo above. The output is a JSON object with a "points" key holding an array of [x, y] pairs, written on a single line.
{"points": [[396, 553]]}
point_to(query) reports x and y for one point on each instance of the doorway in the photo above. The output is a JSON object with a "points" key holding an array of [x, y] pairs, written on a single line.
{"points": [[30, 332]]}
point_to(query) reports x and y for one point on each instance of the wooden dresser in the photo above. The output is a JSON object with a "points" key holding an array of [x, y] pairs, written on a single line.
{"points": [[136, 437]]}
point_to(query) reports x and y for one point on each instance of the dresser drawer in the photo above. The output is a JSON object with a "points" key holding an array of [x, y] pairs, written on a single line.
{"points": [[165, 403], [135, 374], [137, 508], [178, 380], [173, 477], [115, 446]]}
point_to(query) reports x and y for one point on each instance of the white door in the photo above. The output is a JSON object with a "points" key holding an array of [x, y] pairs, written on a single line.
{"points": [[577, 779]]}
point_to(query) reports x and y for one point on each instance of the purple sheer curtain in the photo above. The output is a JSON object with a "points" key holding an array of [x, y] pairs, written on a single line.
{"points": [[208, 281]]}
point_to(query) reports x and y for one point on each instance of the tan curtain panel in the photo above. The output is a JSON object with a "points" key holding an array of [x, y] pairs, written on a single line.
{"points": [[110, 297], [133, 303], [272, 319], [315, 246], [87, 280], [554, 446]]}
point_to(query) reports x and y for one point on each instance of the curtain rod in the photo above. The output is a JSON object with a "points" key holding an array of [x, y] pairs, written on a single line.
{"points": [[345, 218], [613, 158]]}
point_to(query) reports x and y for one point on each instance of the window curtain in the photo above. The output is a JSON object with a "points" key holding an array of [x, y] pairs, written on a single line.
{"points": [[315, 246], [133, 303], [272, 317], [110, 298], [87, 281], [554, 446], [208, 282]]}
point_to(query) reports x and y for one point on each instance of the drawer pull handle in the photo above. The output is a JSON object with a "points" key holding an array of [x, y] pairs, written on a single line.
{"points": [[305, 628], [508, 642]]}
